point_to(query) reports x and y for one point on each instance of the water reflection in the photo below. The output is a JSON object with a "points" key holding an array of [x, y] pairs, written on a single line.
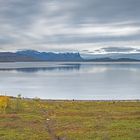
{"points": [[71, 80], [66, 67], [93, 67]]}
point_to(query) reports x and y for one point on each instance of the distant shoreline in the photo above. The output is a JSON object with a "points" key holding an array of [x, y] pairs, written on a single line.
{"points": [[114, 61], [84, 61], [76, 100]]}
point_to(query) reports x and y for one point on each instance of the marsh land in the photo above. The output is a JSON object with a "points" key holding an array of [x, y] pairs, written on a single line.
{"points": [[36, 119]]}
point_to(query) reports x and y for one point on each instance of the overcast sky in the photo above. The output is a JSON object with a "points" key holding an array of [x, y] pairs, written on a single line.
{"points": [[69, 25]]}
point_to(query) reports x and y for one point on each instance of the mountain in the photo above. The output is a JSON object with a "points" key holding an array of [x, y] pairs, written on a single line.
{"points": [[113, 56], [107, 59], [13, 57], [50, 56], [32, 55]]}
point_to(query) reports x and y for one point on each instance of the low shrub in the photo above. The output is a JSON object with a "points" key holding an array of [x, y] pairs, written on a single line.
{"points": [[4, 102]]}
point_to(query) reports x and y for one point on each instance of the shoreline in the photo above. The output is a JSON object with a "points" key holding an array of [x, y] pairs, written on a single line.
{"points": [[75, 100]]}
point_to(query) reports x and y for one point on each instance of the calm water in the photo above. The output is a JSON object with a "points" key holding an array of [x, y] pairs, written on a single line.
{"points": [[93, 81]]}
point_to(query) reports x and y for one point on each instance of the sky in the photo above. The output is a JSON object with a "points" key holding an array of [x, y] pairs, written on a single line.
{"points": [[70, 25]]}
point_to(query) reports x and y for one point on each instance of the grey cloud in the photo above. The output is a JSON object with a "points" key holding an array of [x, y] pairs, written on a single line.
{"points": [[22, 22], [6, 40], [99, 11], [118, 50], [25, 12], [19, 13], [75, 39]]}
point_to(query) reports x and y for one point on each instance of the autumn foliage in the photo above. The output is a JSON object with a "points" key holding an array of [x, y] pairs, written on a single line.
{"points": [[4, 101]]}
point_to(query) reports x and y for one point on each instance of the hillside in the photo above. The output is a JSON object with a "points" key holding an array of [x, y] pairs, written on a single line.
{"points": [[31, 55]]}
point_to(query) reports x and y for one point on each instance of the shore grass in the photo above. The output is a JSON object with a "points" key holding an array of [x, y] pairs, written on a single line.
{"points": [[35, 119]]}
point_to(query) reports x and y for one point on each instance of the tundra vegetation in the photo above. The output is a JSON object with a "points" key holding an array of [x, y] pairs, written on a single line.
{"points": [[36, 119]]}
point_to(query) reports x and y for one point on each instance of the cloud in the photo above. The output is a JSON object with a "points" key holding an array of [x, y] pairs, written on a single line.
{"points": [[69, 24], [19, 13], [117, 50]]}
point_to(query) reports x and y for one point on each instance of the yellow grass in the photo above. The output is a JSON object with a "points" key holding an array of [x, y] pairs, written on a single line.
{"points": [[4, 101], [35, 119]]}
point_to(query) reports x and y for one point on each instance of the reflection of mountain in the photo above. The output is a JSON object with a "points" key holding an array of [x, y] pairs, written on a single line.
{"points": [[61, 67]]}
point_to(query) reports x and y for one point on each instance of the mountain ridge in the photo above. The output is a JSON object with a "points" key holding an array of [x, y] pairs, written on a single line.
{"points": [[33, 55]]}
